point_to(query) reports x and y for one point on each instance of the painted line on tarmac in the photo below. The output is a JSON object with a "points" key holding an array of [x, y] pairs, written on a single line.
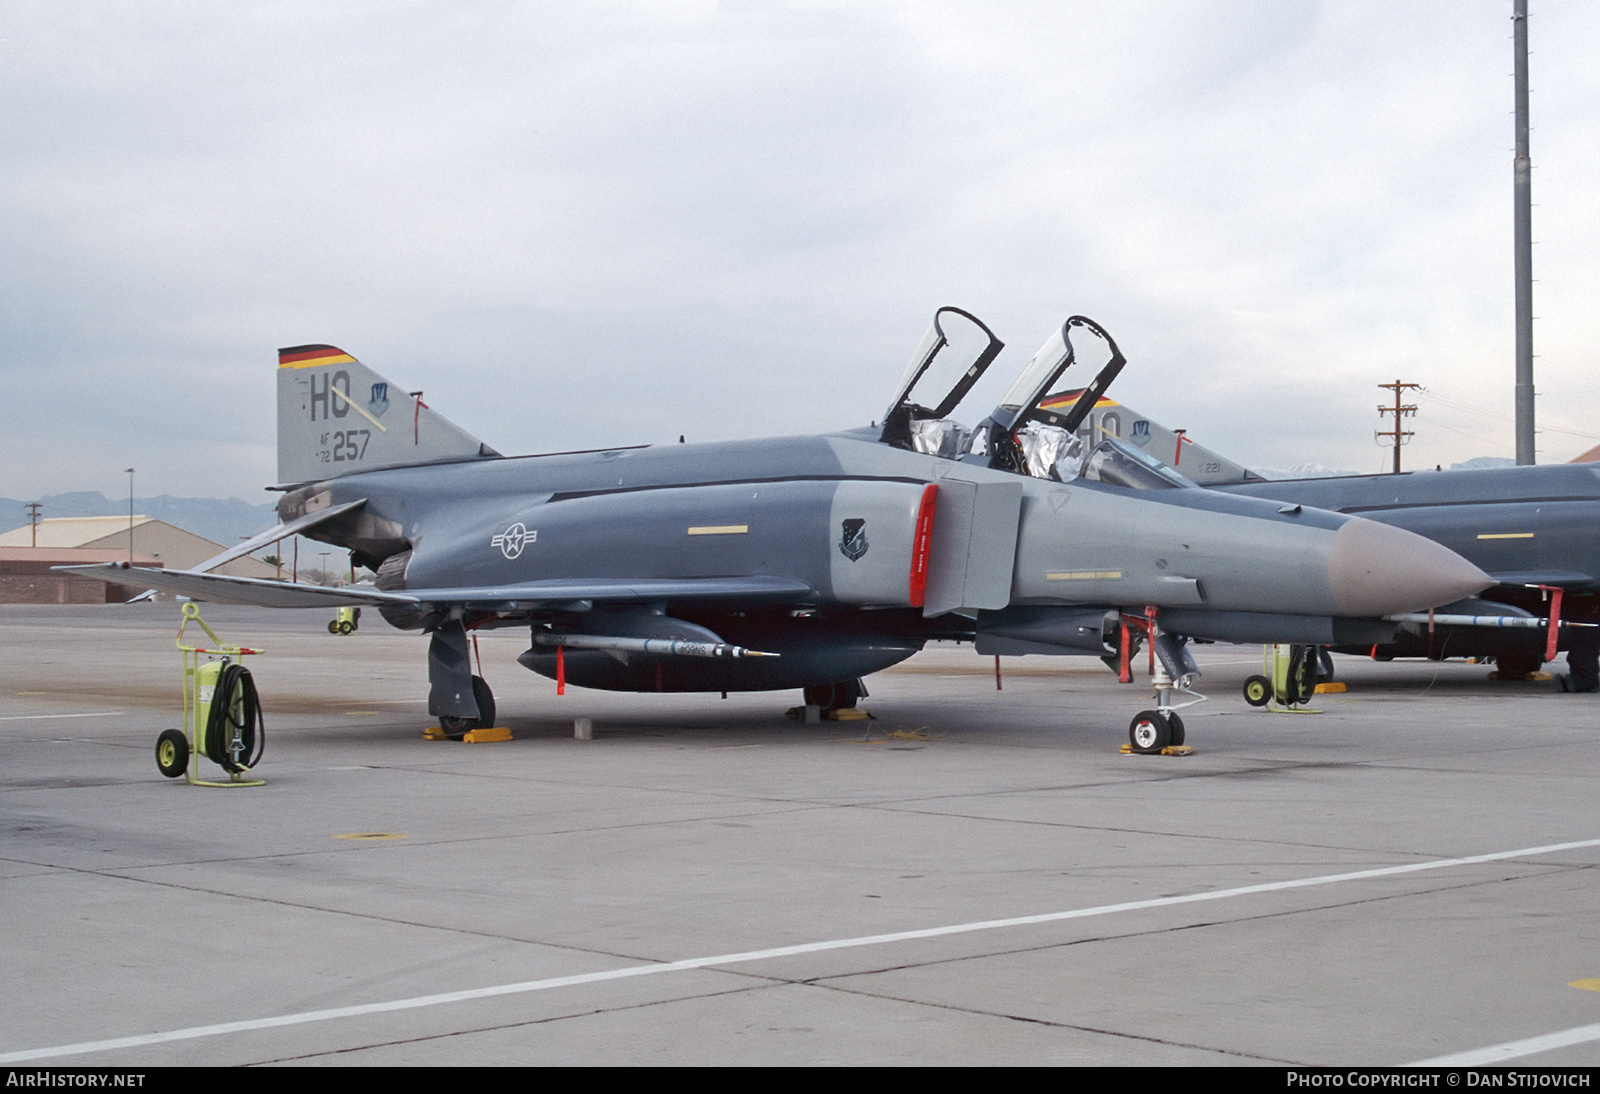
{"points": [[47, 717], [192, 1033], [1514, 1050]]}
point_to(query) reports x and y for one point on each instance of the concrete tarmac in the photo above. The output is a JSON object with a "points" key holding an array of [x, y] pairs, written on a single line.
{"points": [[977, 876]]}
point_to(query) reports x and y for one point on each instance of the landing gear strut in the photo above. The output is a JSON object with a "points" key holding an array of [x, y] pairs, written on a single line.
{"points": [[1173, 673]]}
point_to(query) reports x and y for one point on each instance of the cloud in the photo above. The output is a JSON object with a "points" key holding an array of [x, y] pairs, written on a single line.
{"points": [[574, 224]]}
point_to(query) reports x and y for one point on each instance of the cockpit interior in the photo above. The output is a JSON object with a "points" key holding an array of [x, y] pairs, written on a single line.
{"points": [[1038, 429]]}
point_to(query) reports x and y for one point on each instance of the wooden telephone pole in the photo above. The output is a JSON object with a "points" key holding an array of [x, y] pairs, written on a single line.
{"points": [[1399, 410]]}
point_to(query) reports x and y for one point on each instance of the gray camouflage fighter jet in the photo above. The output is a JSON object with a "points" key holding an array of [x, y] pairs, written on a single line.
{"points": [[807, 562]]}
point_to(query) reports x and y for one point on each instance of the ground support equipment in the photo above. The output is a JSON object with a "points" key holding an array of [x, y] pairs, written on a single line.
{"points": [[221, 712], [1290, 677]]}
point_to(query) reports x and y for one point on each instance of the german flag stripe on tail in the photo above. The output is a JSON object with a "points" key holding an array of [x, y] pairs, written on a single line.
{"points": [[1068, 398], [312, 356]]}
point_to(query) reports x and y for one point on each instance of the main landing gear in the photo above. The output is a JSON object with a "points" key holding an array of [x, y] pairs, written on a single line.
{"points": [[832, 702], [456, 727], [461, 701], [840, 696], [1174, 670]]}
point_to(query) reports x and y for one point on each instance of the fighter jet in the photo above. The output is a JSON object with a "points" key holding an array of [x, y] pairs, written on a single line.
{"points": [[808, 562], [1533, 529]]}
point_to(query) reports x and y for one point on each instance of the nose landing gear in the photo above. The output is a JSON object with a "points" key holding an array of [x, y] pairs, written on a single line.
{"points": [[1173, 671]]}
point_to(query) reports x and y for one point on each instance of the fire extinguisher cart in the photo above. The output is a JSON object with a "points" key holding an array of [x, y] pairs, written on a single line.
{"points": [[221, 712]]}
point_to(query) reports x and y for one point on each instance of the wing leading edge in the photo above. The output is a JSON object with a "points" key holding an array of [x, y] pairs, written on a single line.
{"points": [[529, 595]]}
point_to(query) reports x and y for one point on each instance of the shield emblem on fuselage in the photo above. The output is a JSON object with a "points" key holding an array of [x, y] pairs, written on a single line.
{"points": [[853, 542]]}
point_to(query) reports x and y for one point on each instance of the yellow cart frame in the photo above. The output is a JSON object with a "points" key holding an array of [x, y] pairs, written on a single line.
{"points": [[191, 696]]}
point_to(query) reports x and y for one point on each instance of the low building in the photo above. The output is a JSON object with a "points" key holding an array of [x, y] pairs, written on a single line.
{"points": [[26, 576], [167, 544]]}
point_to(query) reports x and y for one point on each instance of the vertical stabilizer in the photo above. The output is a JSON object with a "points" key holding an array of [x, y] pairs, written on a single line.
{"points": [[1109, 418], [336, 416]]}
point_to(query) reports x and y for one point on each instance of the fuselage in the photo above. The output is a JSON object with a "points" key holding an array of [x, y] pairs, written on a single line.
{"points": [[836, 517]]}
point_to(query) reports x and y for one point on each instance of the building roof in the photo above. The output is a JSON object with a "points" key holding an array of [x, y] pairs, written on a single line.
{"points": [[175, 548], [70, 531]]}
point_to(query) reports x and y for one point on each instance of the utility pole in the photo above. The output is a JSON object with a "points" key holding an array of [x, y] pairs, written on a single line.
{"points": [[33, 518], [1522, 242], [1399, 410], [130, 516]]}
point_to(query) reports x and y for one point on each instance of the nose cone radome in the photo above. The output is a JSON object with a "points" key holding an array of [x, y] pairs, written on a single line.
{"points": [[1374, 569]]}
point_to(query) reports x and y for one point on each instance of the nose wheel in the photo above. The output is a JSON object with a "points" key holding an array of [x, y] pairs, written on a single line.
{"points": [[1154, 731]]}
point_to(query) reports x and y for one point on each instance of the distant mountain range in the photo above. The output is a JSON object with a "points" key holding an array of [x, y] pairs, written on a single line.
{"points": [[224, 520], [1302, 471], [1481, 462], [1317, 471]]}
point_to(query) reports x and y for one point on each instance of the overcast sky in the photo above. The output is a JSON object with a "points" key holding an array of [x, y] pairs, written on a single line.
{"points": [[582, 224]]}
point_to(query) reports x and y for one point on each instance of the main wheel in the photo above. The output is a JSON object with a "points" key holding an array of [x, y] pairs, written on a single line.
{"points": [[485, 700], [172, 753], [333, 626], [1518, 664], [345, 627], [1175, 729], [1257, 691], [456, 727], [1149, 732], [841, 696]]}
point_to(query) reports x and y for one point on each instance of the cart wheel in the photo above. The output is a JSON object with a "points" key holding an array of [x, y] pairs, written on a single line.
{"points": [[172, 753], [345, 627], [1257, 690], [333, 626]]}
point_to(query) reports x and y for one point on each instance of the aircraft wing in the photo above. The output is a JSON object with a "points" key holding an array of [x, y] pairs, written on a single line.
{"points": [[527, 595], [237, 590]]}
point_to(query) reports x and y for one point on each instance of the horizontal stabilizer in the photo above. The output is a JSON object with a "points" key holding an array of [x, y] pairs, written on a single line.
{"points": [[274, 534]]}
